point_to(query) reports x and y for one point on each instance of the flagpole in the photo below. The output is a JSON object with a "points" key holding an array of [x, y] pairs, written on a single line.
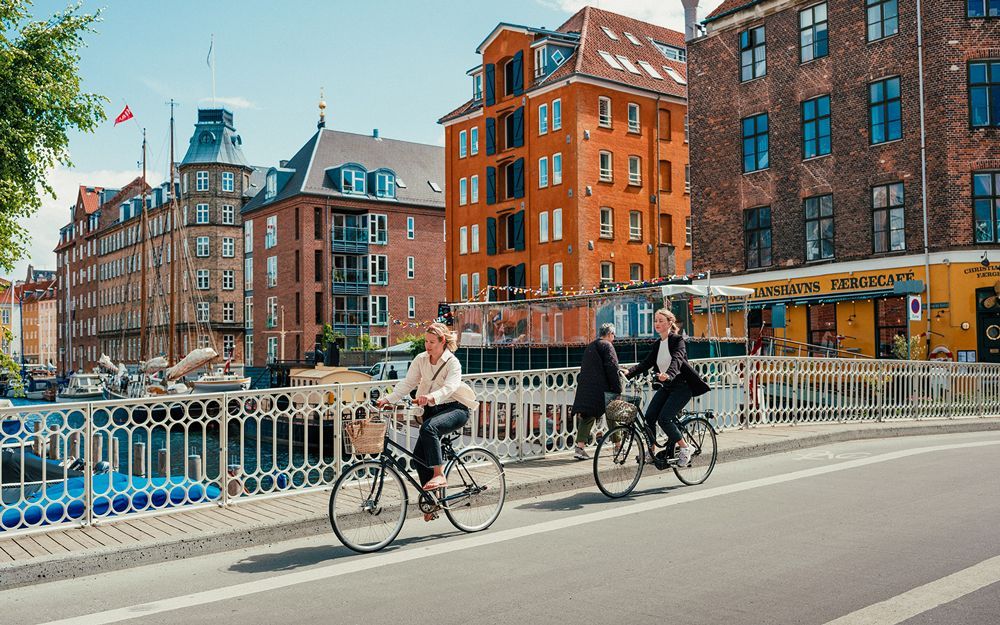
{"points": [[211, 63]]}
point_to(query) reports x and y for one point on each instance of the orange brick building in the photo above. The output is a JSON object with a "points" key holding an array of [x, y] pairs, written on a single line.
{"points": [[568, 166]]}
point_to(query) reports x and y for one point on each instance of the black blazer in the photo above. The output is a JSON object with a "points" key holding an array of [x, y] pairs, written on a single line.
{"points": [[680, 370], [598, 375]]}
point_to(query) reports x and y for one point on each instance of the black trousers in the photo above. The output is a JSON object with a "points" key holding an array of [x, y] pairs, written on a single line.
{"points": [[667, 403], [438, 421]]}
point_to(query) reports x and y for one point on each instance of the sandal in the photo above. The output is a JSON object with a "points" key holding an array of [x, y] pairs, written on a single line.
{"points": [[430, 516], [436, 483]]}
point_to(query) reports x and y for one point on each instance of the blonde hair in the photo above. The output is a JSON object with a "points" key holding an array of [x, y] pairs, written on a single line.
{"points": [[441, 330], [671, 317]]}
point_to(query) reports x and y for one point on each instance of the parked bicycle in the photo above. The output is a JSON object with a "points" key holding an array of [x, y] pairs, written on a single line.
{"points": [[370, 500], [621, 453]]}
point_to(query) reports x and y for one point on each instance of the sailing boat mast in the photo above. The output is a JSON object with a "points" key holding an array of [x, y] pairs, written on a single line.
{"points": [[173, 247], [142, 261]]}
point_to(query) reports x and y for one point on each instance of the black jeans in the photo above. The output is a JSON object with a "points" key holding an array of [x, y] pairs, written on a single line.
{"points": [[438, 421], [667, 403]]}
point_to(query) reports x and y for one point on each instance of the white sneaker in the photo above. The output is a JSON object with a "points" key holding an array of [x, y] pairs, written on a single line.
{"points": [[581, 453], [683, 456]]}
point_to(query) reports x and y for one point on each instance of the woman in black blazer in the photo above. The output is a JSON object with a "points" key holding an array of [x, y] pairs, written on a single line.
{"points": [[676, 382]]}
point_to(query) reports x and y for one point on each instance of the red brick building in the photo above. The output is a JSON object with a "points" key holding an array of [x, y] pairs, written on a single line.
{"points": [[839, 147], [567, 166], [349, 231]]}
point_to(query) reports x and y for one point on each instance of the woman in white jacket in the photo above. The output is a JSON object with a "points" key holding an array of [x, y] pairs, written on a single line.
{"points": [[437, 376]]}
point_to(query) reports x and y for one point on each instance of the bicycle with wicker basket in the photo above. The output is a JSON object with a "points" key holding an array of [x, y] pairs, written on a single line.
{"points": [[370, 501], [622, 451]]}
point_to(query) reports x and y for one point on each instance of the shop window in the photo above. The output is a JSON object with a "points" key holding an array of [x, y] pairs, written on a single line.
{"points": [[890, 322], [822, 320]]}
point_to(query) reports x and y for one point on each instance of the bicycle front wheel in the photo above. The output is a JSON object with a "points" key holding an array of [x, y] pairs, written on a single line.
{"points": [[476, 489], [699, 434], [618, 461], [368, 506]]}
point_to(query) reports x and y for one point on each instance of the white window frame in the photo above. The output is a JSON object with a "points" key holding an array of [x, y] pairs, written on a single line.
{"points": [[477, 86], [228, 182], [411, 228], [247, 236], [271, 232], [635, 226], [248, 311], [606, 173], [463, 287], [228, 280], [474, 239], [543, 227], [607, 222], [385, 185], [272, 349], [463, 191], [607, 272], [687, 231], [475, 285], [463, 241], [378, 269], [543, 172], [557, 114], [202, 247], [411, 307], [543, 278], [474, 189], [473, 140], [411, 267], [687, 179], [543, 119], [202, 214], [463, 146], [377, 304], [352, 181], [203, 312], [248, 274], [604, 111], [557, 276], [228, 247], [272, 271], [557, 225], [556, 168], [228, 312], [201, 181], [634, 122], [228, 214], [635, 170], [378, 229], [203, 280], [540, 61]]}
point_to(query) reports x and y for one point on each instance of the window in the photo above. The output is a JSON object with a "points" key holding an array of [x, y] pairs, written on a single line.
{"points": [[247, 237], [543, 118], [816, 127], [272, 349], [378, 269], [982, 8], [228, 247], [228, 214], [606, 174], [885, 111], [757, 227], [352, 181], [475, 285], [385, 185], [556, 114], [411, 267], [984, 93], [463, 241], [202, 247], [378, 307], [411, 307], [474, 236], [671, 52], [813, 42], [202, 281], [228, 182], [687, 231], [655, 74], [462, 144], [607, 273], [228, 280], [228, 345], [557, 168], [543, 227], [248, 350], [687, 131], [509, 77], [627, 64], [378, 233], [271, 232], [317, 265], [610, 33], [543, 172], [463, 191], [477, 87], [755, 143], [890, 322], [474, 189], [634, 226], [888, 221], [248, 274], [634, 170], [463, 287], [202, 312], [248, 311], [822, 323], [883, 19], [557, 224], [753, 60], [687, 179], [474, 140], [410, 228], [819, 227], [635, 272], [201, 214], [604, 112], [272, 271], [543, 278], [607, 223], [986, 206], [201, 181], [228, 312], [633, 117]]}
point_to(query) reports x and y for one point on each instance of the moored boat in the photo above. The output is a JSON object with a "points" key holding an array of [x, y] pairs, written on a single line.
{"points": [[83, 387]]}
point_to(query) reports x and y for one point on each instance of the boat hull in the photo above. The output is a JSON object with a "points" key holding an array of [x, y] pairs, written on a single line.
{"points": [[221, 386]]}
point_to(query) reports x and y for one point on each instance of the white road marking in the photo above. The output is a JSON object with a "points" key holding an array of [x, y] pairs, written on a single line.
{"points": [[359, 563], [927, 597]]}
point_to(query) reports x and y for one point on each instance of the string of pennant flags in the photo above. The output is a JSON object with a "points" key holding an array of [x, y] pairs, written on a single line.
{"points": [[611, 287]]}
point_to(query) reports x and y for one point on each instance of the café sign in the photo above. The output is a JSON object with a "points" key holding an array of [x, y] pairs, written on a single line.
{"points": [[833, 285]]}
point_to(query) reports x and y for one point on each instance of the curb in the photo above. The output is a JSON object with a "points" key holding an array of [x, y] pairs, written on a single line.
{"points": [[54, 568]]}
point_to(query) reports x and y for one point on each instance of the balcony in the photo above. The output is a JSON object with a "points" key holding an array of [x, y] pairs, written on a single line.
{"points": [[350, 282], [350, 322], [350, 240]]}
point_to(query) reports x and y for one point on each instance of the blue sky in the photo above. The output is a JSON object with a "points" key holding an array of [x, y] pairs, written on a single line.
{"points": [[394, 65]]}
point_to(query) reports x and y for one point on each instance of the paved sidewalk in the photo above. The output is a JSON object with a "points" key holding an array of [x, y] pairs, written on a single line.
{"points": [[129, 542]]}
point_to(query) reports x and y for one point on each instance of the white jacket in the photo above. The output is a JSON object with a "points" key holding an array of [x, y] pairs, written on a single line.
{"points": [[440, 389]]}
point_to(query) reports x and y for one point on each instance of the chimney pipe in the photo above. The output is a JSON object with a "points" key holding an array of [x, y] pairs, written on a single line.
{"points": [[690, 19]]}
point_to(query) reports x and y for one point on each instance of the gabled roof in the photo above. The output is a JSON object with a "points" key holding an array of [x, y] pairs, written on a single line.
{"points": [[729, 6], [416, 164], [88, 199]]}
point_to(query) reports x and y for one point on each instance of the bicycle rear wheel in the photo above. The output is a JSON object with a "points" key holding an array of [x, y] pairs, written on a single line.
{"points": [[476, 480], [618, 461], [368, 506], [699, 434]]}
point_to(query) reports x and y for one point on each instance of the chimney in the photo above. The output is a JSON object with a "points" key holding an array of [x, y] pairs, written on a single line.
{"points": [[690, 19], [375, 134]]}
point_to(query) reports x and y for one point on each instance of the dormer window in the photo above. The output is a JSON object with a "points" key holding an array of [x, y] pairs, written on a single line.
{"points": [[477, 86], [271, 187], [539, 61], [352, 181], [385, 185]]}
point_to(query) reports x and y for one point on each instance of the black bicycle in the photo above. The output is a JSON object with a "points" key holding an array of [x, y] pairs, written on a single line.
{"points": [[369, 501], [621, 453]]}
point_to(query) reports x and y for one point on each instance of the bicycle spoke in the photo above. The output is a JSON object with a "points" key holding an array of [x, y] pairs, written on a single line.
{"points": [[476, 490], [368, 506]]}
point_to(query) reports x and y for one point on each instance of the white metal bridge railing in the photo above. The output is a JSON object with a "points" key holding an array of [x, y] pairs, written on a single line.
{"points": [[79, 464]]}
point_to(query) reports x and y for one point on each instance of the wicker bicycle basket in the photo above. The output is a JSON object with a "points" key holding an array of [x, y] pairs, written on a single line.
{"points": [[367, 436], [621, 409]]}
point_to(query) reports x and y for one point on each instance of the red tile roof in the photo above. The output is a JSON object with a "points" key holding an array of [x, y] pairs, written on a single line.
{"points": [[88, 197], [730, 6]]}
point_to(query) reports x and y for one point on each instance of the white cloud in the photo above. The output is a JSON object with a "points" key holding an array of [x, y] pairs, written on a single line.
{"points": [[234, 102], [43, 227], [669, 13]]}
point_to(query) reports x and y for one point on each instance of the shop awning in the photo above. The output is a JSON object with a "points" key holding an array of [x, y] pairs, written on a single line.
{"points": [[699, 290]]}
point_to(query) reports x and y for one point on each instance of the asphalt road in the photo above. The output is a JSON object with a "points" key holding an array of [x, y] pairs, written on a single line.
{"points": [[872, 532]]}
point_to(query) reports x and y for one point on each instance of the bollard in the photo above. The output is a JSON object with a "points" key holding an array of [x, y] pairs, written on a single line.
{"points": [[161, 462], [113, 453], [37, 442], [97, 450], [53, 444], [194, 467], [139, 459], [74, 444]]}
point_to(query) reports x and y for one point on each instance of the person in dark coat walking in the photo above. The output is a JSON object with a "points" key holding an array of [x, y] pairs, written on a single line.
{"points": [[675, 381], [598, 375]]}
